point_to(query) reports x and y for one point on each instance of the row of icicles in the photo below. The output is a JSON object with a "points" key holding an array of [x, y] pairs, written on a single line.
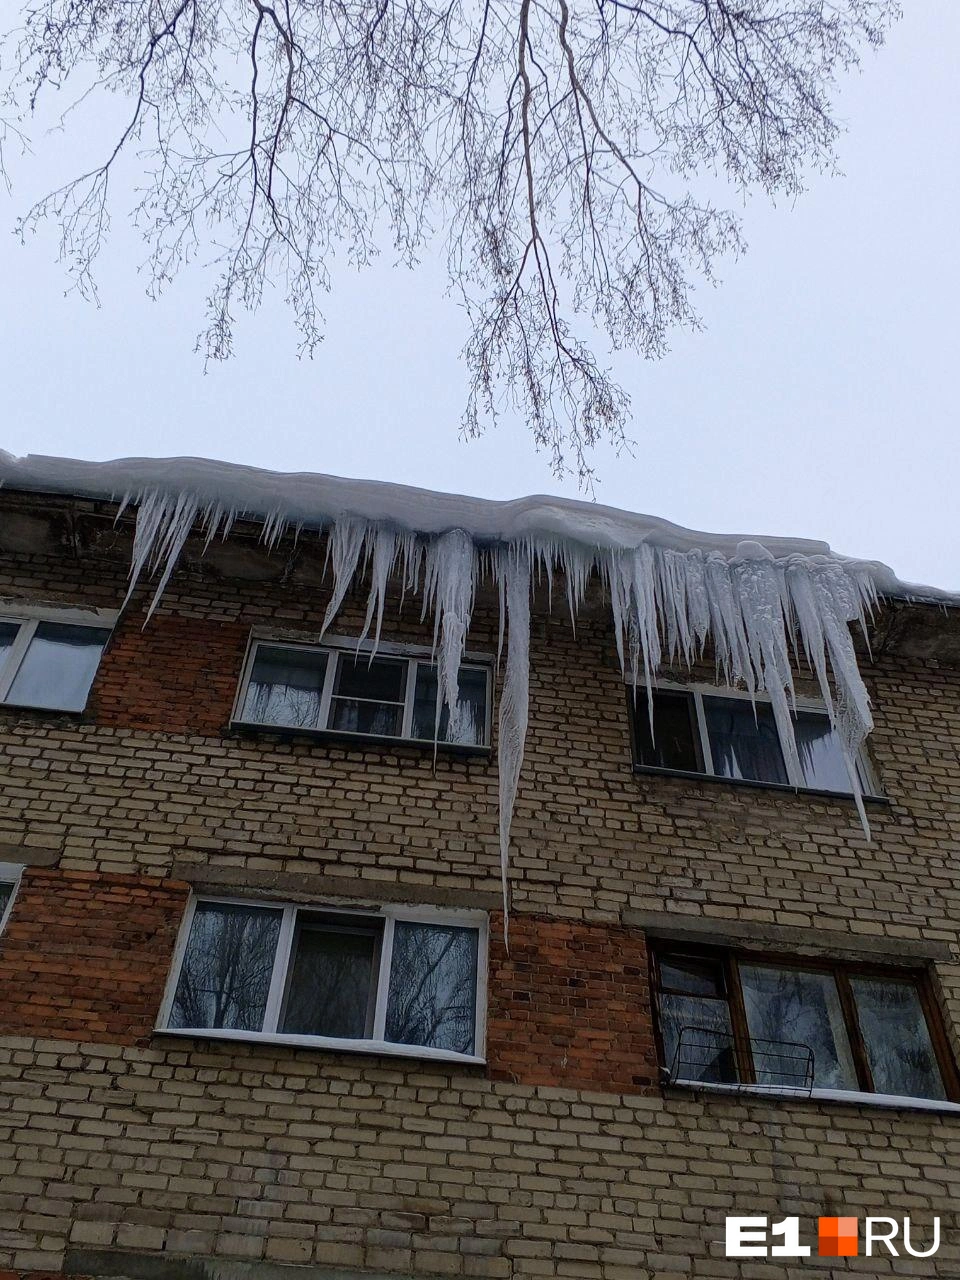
{"points": [[763, 616]]}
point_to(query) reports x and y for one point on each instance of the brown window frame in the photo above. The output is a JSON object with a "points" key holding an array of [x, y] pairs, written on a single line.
{"points": [[842, 971]]}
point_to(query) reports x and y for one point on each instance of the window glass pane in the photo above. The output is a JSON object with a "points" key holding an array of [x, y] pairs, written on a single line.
{"points": [[691, 975], [821, 755], [330, 991], [226, 970], [8, 633], [350, 716], [381, 680], [675, 743], [433, 986], [285, 687], [788, 1008], [58, 667], [895, 1031], [744, 744], [469, 724], [6, 893], [369, 696], [697, 1039]]}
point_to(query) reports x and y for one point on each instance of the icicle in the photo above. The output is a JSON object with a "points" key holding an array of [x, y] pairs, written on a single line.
{"points": [[759, 590], [345, 545], [726, 624], [382, 545], [449, 590], [631, 576], [513, 578], [163, 526]]}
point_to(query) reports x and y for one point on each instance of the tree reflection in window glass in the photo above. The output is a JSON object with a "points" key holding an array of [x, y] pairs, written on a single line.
{"points": [[58, 668], [695, 1020], [285, 688], [433, 986], [6, 893], [226, 970], [894, 1029], [799, 1007], [330, 990]]}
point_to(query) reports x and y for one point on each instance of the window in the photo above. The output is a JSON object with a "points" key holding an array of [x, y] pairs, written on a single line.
{"points": [[727, 735], [10, 873], [396, 982], [338, 690], [49, 663], [729, 1019]]}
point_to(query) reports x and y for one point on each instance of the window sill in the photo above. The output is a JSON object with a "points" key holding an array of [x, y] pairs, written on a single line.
{"points": [[19, 708], [847, 1097], [755, 785], [361, 740], [378, 1048]]}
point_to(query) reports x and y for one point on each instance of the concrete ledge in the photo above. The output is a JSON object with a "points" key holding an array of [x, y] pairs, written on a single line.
{"points": [[319, 887], [27, 856], [762, 936], [122, 1264]]}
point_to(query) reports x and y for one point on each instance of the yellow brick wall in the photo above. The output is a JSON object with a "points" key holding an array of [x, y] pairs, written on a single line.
{"points": [[304, 1157]]}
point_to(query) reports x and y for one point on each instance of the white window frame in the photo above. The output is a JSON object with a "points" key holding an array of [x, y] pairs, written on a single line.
{"points": [[10, 873], [336, 647], [699, 691], [375, 1044], [28, 618]]}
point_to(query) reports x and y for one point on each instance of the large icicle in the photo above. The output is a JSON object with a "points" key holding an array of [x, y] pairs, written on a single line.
{"points": [[512, 568], [343, 549], [449, 590]]}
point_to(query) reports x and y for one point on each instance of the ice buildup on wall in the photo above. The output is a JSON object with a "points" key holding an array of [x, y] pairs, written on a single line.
{"points": [[765, 606]]}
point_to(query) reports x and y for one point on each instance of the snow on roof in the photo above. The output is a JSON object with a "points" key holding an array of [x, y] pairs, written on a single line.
{"points": [[314, 500]]}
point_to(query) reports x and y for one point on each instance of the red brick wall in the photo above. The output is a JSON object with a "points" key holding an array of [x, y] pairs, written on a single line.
{"points": [[86, 956], [175, 674], [37, 1275], [570, 1006]]}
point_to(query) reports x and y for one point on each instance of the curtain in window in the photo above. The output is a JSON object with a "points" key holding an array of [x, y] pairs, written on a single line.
{"points": [[285, 688], [468, 727], [331, 983], [821, 755], [743, 740]]}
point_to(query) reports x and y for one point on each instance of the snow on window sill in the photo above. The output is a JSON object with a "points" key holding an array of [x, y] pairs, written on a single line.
{"points": [[755, 784], [851, 1097], [287, 733], [327, 1043]]}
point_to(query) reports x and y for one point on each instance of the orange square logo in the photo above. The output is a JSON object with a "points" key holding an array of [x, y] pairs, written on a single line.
{"points": [[837, 1237]]}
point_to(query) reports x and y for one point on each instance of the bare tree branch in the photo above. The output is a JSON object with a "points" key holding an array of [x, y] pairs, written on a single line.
{"points": [[564, 147]]}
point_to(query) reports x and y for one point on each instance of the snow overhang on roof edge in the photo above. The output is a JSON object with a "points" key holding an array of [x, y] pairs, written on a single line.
{"points": [[317, 501]]}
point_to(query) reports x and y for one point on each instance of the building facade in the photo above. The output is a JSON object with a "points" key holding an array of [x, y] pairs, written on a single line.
{"points": [[259, 1017]]}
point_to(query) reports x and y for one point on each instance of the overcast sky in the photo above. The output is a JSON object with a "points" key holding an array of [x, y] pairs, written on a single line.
{"points": [[820, 400]]}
